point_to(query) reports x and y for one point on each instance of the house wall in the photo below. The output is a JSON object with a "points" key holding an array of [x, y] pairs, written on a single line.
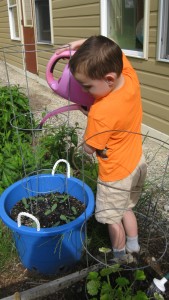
{"points": [[9, 50], [77, 19], [154, 79], [72, 20]]}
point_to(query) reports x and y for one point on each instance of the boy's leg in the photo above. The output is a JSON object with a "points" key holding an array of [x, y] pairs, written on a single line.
{"points": [[118, 239], [118, 232], [117, 235], [130, 223], [131, 229], [124, 235]]}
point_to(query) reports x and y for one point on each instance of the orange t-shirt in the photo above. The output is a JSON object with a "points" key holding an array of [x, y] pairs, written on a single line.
{"points": [[114, 122]]}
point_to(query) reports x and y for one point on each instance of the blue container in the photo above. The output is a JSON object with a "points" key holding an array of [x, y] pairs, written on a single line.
{"points": [[49, 250]]}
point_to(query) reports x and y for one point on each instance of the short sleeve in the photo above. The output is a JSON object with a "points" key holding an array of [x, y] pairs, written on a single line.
{"points": [[97, 134]]}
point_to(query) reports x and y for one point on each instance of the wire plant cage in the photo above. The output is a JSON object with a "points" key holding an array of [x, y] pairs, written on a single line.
{"points": [[151, 210], [45, 250]]}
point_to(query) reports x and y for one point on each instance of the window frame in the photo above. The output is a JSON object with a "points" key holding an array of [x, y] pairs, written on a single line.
{"points": [[162, 15], [104, 28], [24, 14], [11, 21], [51, 26]]}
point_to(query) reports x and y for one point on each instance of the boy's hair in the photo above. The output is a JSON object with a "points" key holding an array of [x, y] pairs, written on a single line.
{"points": [[96, 57]]}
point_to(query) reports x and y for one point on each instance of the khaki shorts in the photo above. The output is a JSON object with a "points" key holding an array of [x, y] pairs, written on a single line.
{"points": [[114, 198]]}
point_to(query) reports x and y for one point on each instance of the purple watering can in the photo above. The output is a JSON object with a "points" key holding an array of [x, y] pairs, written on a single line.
{"points": [[66, 86]]}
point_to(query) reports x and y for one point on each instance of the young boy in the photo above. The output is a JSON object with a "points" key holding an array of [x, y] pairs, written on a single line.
{"points": [[113, 132]]}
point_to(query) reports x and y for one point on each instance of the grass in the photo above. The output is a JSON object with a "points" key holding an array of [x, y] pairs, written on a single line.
{"points": [[7, 247]]}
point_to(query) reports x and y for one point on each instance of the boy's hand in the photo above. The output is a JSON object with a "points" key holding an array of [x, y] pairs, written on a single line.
{"points": [[88, 149], [83, 109], [71, 46], [102, 153]]}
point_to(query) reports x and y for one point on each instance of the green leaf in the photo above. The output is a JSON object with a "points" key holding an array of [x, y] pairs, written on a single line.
{"points": [[63, 198], [72, 217], [93, 287], [107, 271], [118, 293], [106, 297], [158, 296], [122, 281], [105, 250], [74, 139], [93, 276], [56, 224], [63, 218], [24, 201], [47, 212], [139, 275], [74, 210], [106, 288], [140, 296], [54, 206]]}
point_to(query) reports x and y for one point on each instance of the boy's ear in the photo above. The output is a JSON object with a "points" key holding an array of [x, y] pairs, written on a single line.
{"points": [[110, 78]]}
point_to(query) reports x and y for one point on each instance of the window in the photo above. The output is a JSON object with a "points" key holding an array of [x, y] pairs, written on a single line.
{"points": [[126, 22], [163, 34], [27, 13], [13, 19], [43, 21]]}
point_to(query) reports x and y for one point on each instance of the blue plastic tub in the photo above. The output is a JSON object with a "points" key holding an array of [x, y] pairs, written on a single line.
{"points": [[49, 250]]}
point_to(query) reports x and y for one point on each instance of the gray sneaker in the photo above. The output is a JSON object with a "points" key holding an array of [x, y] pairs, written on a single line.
{"points": [[125, 259]]}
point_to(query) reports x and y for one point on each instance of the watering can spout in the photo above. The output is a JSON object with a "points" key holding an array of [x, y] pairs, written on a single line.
{"points": [[67, 86], [57, 111]]}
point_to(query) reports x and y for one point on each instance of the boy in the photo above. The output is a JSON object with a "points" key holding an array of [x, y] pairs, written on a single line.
{"points": [[113, 132]]}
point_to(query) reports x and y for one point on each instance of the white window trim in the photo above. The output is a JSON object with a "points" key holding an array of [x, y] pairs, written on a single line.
{"points": [[160, 30], [131, 53], [51, 25], [23, 8], [51, 22], [12, 33]]}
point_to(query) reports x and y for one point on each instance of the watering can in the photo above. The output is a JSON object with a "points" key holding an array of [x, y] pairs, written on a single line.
{"points": [[66, 86]]}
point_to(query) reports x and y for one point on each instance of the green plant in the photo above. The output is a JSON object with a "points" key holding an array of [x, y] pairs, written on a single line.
{"points": [[7, 247], [13, 103], [14, 144], [51, 209], [23, 151], [102, 285]]}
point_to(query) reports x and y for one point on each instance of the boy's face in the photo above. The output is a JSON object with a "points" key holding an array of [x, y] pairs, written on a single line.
{"points": [[98, 88]]}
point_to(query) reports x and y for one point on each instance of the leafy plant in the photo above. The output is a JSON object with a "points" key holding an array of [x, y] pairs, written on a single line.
{"points": [[23, 151], [51, 209], [13, 102], [14, 108], [102, 285], [7, 247]]}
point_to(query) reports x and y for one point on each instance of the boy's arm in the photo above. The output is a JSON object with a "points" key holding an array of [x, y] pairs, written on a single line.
{"points": [[88, 149]]}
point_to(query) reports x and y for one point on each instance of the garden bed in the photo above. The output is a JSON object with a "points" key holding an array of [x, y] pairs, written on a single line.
{"points": [[68, 286], [17, 279]]}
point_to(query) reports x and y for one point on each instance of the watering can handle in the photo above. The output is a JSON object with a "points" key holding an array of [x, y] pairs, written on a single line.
{"points": [[55, 58], [68, 167], [29, 216]]}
